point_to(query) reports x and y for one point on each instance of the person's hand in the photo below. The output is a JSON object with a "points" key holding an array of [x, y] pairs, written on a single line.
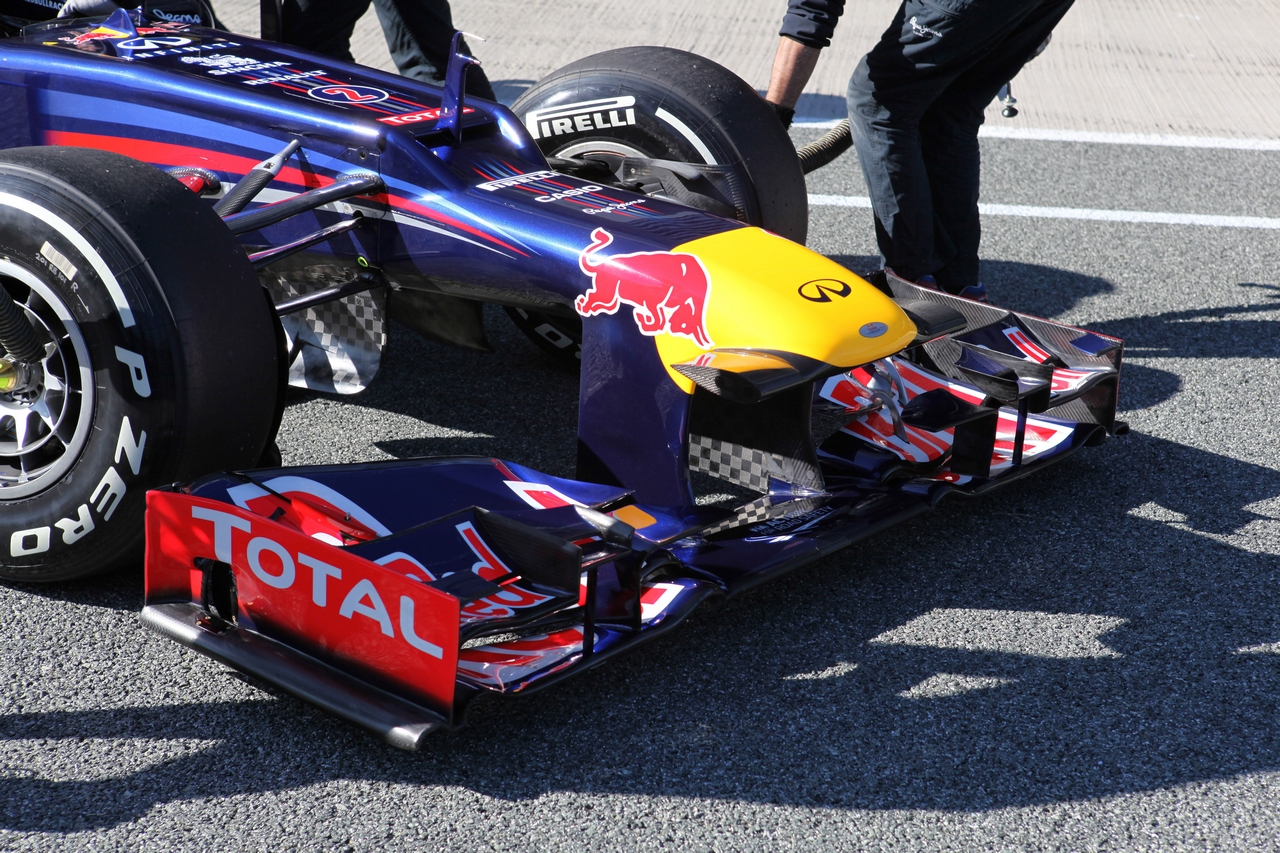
{"points": [[785, 114]]}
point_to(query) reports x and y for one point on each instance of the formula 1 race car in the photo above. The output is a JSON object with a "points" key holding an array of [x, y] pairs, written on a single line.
{"points": [[190, 220]]}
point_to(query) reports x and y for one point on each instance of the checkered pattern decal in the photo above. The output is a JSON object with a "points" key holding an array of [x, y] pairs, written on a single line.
{"points": [[747, 514], [763, 509], [337, 346], [745, 466]]}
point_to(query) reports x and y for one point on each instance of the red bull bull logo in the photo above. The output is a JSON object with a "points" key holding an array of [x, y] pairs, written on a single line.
{"points": [[104, 32], [668, 291]]}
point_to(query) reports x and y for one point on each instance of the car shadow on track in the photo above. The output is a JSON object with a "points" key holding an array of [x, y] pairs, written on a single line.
{"points": [[119, 590], [1229, 331], [431, 399], [1246, 330], [1049, 292], [1109, 627], [1028, 288]]}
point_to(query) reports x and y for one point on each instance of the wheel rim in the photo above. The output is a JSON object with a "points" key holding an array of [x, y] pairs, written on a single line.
{"points": [[606, 149], [43, 429]]}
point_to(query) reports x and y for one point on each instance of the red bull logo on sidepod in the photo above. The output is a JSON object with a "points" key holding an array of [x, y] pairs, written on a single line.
{"points": [[667, 290]]}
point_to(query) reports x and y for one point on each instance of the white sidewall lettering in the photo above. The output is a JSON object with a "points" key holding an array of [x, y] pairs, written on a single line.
{"points": [[82, 245], [75, 529], [137, 371], [112, 489], [132, 450], [27, 542], [561, 117]]}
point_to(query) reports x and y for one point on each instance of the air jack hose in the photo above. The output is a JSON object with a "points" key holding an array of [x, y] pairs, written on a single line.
{"points": [[17, 338], [833, 143]]}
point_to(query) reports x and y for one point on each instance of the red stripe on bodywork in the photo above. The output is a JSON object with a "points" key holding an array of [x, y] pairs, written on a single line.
{"points": [[287, 86], [408, 102], [436, 216], [179, 155], [169, 154]]}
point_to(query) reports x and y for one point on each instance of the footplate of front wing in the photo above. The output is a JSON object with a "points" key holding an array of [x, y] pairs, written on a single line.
{"points": [[396, 720]]}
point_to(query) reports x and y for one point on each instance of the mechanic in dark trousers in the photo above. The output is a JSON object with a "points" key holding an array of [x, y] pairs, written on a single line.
{"points": [[916, 102], [418, 34]]}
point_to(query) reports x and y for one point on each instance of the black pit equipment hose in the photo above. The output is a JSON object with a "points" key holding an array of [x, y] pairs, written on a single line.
{"points": [[833, 143]]}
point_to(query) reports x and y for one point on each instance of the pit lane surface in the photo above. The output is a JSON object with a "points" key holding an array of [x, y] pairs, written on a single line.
{"points": [[1086, 660]]}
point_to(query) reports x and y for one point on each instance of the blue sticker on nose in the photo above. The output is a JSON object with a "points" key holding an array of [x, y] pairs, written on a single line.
{"points": [[873, 330]]}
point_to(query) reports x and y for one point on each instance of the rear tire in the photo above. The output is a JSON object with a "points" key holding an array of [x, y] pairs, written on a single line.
{"points": [[665, 104], [161, 355]]}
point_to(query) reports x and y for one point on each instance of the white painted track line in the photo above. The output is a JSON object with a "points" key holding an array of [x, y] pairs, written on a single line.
{"points": [[1158, 139], [1141, 216], [1166, 140]]}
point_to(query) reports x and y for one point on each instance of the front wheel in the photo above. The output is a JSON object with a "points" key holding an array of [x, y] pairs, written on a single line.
{"points": [[158, 355], [665, 104]]}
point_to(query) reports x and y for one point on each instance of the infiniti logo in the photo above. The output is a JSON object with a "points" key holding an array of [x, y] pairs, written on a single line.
{"points": [[153, 43], [822, 289]]}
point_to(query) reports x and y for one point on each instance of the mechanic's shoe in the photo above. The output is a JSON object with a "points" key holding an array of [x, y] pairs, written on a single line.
{"points": [[925, 281], [976, 292]]}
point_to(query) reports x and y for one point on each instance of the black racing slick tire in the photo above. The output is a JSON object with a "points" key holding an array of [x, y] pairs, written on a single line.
{"points": [[666, 104], [160, 355]]}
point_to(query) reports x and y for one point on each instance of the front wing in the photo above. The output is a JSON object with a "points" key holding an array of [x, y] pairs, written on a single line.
{"points": [[393, 594]]}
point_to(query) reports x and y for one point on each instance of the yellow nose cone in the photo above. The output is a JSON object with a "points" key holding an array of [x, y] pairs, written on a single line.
{"points": [[767, 292]]}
